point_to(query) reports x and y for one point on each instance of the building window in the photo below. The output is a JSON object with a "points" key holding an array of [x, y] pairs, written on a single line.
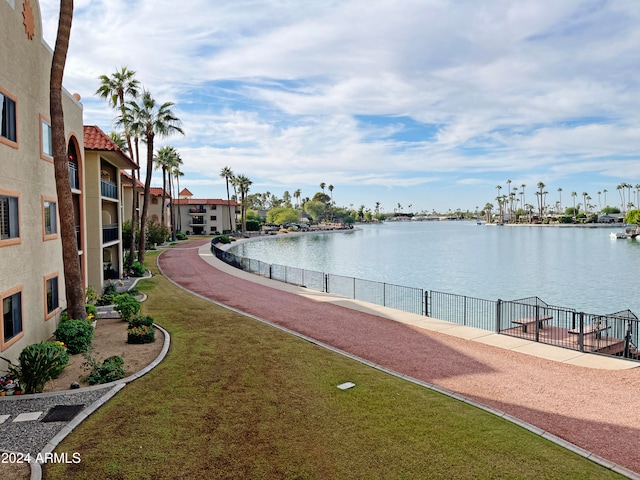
{"points": [[9, 223], [53, 299], [11, 315], [50, 219], [8, 126], [46, 145], [214, 207], [213, 218], [212, 229], [154, 201]]}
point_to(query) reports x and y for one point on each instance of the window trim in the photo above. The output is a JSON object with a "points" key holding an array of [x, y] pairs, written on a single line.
{"points": [[50, 236], [9, 293], [50, 314], [14, 240], [5, 140], [43, 155]]}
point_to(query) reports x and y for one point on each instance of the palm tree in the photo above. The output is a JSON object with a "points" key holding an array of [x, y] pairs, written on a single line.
{"points": [[117, 89], [177, 174], [243, 184], [164, 159], [174, 165], [322, 185], [296, 195], [487, 210], [605, 196], [540, 193], [584, 198], [227, 174], [560, 200], [73, 282], [119, 140], [573, 194], [620, 189], [151, 119]]}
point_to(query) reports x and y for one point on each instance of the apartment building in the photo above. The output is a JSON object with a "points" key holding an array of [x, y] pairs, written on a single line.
{"points": [[31, 271], [32, 289], [198, 216]]}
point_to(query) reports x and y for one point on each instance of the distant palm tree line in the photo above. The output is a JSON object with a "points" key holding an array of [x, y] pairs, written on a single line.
{"points": [[511, 207]]}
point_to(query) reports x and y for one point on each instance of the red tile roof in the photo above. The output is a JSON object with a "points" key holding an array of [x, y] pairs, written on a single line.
{"points": [[127, 180], [185, 193], [157, 192], [205, 201], [96, 139]]}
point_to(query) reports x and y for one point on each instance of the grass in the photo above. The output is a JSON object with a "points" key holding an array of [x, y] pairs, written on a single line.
{"points": [[236, 398]]}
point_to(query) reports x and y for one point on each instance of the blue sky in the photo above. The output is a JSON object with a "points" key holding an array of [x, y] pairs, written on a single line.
{"points": [[428, 103]]}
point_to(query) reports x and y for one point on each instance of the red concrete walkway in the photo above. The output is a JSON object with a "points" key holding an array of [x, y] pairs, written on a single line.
{"points": [[597, 410]]}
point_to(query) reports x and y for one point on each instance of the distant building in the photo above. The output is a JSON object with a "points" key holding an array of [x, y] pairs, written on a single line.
{"points": [[199, 216]]}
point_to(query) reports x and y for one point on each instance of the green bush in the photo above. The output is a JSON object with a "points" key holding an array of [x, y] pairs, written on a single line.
{"points": [[112, 369], [109, 293], [91, 310], [140, 320], [138, 269], [141, 334], [126, 305], [38, 363], [181, 236], [77, 335], [91, 295]]}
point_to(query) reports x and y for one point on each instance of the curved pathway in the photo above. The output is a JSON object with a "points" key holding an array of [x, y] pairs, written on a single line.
{"points": [[595, 409]]}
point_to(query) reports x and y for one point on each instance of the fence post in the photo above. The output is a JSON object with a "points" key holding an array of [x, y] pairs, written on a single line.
{"points": [[270, 272], [426, 303], [354, 288], [498, 315], [581, 333], [537, 317], [326, 283]]}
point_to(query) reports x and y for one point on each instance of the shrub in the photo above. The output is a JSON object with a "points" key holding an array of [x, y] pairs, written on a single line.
{"points": [[112, 369], [126, 305], [91, 310], [141, 334], [77, 335], [140, 320], [91, 295], [181, 236], [224, 239], [109, 293], [138, 269], [38, 363]]}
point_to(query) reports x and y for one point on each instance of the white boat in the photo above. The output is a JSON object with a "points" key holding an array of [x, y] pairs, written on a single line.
{"points": [[629, 232]]}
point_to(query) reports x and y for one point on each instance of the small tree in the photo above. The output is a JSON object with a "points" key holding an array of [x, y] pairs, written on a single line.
{"points": [[633, 217]]}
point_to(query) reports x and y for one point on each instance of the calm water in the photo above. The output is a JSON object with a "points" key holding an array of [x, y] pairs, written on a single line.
{"points": [[580, 268]]}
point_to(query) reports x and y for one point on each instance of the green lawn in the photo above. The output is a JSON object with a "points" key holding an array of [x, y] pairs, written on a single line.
{"points": [[238, 399]]}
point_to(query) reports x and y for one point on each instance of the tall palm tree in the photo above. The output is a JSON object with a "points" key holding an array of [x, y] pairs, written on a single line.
{"points": [[164, 159], [73, 282], [560, 200], [620, 188], [540, 193], [151, 119], [573, 195], [227, 174], [117, 89], [605, 196], [296, 195], [322, 185], [586, 204], [243, 184], [177, 174]]}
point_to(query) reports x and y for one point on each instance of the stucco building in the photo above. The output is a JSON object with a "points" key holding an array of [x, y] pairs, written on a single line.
{"points": [[204, 216]]}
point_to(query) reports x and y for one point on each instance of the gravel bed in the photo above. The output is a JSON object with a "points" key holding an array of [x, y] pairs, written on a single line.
{"points": [[32, 436]]}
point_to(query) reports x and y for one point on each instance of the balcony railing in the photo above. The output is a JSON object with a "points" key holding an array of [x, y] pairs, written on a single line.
{"points": [[108, 189], [109, 233], [78, 238], [197, 210], [74, 178]]}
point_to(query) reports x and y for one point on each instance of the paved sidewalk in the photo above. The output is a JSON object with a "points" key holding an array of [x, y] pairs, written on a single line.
{"points": [[583, 399]]}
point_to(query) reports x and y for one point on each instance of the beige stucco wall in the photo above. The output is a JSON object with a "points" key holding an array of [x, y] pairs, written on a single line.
{"points": [[24, 76]]}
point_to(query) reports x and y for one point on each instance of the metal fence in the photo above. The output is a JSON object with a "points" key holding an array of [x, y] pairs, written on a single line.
{"points": [[528, 318]]}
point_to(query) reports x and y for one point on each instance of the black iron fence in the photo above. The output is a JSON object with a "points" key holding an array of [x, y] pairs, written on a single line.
{"points": [[528, 318]]}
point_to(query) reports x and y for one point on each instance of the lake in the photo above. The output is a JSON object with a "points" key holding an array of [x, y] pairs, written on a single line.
{"points": [[581, 268]]}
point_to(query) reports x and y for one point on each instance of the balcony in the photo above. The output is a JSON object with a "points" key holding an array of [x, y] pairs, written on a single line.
{"points": [[197, 222], [108, 189], [74, 178], [109, 233], [78, 238], [197, 211]]}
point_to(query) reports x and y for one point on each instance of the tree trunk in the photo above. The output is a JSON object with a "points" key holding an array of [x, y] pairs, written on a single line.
{"points": [[164, 188], [145, 200], [73, 282], [134, 199]]}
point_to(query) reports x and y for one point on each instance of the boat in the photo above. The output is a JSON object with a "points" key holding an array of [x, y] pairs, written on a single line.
{"points": [[629, 232]]}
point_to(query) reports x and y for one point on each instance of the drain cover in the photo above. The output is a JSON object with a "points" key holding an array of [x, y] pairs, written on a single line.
{"points": [[62, 413]]}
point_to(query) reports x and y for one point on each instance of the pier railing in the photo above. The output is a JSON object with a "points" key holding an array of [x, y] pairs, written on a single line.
{"points": [[528, 318]]}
